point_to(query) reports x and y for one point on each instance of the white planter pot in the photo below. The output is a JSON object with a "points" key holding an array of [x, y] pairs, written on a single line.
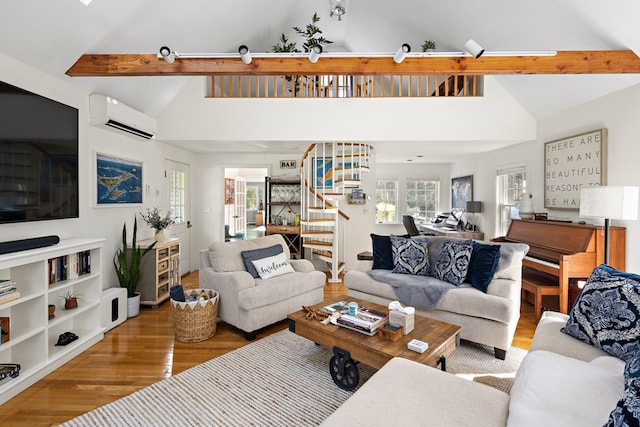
{"points": [[133, 305], [160, 236]]}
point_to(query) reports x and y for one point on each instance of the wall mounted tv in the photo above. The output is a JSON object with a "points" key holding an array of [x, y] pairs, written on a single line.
{"points": [[38, 157]]}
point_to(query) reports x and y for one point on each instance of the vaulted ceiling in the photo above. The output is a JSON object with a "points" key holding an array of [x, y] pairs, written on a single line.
{"points": [[52, 35]]}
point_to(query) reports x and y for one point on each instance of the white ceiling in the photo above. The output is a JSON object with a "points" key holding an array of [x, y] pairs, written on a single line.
{"points": [[52, 35]]}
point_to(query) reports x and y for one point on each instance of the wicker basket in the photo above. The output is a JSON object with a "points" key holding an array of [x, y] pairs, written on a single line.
{"points": [[195, 321]]}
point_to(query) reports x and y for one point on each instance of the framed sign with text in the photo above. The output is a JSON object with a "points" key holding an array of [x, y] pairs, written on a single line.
{"points": [[571, 164]]}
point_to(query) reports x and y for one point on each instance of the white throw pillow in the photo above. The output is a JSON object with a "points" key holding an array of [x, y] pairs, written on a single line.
{"points": [[555, 390], [273, 266]]}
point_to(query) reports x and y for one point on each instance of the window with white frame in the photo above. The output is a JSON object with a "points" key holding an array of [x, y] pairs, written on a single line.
{"points": [[253, 197], [511, 184], [387, 201], [177, 193], [422, 196]]}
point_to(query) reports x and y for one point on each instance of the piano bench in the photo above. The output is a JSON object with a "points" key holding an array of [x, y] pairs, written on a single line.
{"points": [[539, 285]]}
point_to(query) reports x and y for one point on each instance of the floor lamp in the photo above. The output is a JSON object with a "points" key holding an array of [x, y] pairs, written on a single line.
{"points": [[609, 203], [474, 207]]}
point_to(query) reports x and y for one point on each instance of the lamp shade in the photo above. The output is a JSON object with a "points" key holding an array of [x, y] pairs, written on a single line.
{"points": [[474, 206], [609, 202]]}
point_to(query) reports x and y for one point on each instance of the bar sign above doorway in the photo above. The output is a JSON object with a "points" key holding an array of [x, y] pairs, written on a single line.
{"points": [[288, 164]]}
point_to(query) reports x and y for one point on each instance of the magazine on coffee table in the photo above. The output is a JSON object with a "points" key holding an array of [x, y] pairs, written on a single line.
{"points": [[366, 320]]}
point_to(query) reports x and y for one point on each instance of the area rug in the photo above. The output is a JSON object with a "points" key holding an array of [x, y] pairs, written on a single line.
{"points": [[280, 380]]}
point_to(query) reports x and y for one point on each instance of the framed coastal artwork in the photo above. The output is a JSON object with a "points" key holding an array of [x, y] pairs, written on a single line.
{"points": [[573, 163], [461, 191], [118, 181]]}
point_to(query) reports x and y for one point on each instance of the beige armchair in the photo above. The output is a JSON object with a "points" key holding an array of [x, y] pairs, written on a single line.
{"points": [[250, 303]]}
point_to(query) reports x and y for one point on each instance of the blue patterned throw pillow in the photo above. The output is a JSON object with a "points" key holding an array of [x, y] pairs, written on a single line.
{"points": [[627, 411], [606, 312], [410, 256], [453, 261]]}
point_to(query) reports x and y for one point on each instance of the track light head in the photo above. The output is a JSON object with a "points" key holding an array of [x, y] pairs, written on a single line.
{"points": [[473, 48], [245, 55], [401, 53], [314, 54], [167, 54]]}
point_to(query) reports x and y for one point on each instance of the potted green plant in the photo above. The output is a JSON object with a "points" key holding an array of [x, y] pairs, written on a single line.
{"points": [[159, 222], [70, 298], [312, 35], [127, 263], [428, 46]]}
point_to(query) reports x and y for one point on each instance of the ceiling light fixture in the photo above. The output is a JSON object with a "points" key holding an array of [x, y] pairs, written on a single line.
{"points": [[473, 48], [86, 2], [314, 54], [337, 8], [245, 55], [167, 54], [401, 53]]}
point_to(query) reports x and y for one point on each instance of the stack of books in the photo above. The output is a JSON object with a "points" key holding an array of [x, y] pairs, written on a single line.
{"points": [[366, 320], [8, 291]]}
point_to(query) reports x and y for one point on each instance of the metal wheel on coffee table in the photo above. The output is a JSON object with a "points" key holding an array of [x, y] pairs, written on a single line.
{"points": [[343, 369]]}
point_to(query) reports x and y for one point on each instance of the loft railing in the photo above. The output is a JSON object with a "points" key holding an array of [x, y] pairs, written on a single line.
{"points": [[345, 86]]}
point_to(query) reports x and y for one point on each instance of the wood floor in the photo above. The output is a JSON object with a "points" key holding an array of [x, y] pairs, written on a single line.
{"points": [[137, 353]]}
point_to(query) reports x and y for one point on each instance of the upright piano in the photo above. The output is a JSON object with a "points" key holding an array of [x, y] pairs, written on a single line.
{"points": [[560, 252]]}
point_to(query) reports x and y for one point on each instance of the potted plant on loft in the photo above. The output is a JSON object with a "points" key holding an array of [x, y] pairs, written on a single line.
{"points": [[428, 46], [313, 37], [158, 222], [127, 263]]}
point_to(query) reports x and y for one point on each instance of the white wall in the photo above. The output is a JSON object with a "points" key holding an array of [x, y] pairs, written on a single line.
{"points": [[98, 222], [618, 112]]}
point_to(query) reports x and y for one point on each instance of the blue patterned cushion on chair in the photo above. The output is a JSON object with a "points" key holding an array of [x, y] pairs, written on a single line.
{"points": [[605, 314], [410, 256], [453, 261], [627, 411]]}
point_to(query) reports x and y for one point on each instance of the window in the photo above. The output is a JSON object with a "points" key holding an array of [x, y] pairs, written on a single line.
{"points": [[511, 185], [387, 202], [177, 191], [253, 197], [422, 198]]}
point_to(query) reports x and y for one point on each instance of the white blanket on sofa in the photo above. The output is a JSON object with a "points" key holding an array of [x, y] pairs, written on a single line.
{"points": [[423, 292]]}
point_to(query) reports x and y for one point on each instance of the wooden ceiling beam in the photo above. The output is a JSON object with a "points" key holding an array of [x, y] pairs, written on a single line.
{"points": [[565, 62]]}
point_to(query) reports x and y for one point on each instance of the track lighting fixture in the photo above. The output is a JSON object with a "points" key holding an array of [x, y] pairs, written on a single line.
{"points": [[337, 8], [167, 54], [473, 48], [245, 55], [401, 53], [314, 54]]}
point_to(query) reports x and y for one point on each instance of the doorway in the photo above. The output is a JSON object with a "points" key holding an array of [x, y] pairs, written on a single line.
{"points": [[243, 215], [177, 188]]}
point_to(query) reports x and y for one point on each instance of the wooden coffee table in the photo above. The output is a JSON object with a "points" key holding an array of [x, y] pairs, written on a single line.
{"points": [[350, 346]]}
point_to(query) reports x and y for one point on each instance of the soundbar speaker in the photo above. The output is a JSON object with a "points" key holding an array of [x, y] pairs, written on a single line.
{"points": [[26, 244]]}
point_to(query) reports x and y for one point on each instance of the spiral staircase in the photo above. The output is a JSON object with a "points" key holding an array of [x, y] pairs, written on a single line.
{"points": [[330, 172]]}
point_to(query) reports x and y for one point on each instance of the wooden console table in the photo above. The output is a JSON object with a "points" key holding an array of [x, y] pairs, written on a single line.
{"points": [[291, 235], [441, 231]]}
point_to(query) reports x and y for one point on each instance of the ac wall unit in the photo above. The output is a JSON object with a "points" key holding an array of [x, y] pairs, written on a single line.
{"points": [[114, 115]]}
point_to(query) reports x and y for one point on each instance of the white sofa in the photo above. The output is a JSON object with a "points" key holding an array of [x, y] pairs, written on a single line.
{"points": [[250, 304], [561, 382], [487, 318]]}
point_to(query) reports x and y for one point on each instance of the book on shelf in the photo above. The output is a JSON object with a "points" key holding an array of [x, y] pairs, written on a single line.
{"points": [[9, 290], [70, 266], [7, 283], [9, 297]]}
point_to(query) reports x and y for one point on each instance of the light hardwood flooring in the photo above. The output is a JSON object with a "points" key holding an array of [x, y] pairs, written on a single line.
{"points": [[139, 352]]}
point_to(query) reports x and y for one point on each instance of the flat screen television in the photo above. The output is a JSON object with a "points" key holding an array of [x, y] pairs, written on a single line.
{"points": [[38, 157]]}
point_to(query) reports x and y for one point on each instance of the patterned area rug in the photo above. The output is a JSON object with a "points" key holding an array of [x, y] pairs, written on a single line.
{"points": [[280, 380]]}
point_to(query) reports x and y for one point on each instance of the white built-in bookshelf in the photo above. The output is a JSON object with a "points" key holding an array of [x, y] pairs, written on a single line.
{"points": [[33, 336]]}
